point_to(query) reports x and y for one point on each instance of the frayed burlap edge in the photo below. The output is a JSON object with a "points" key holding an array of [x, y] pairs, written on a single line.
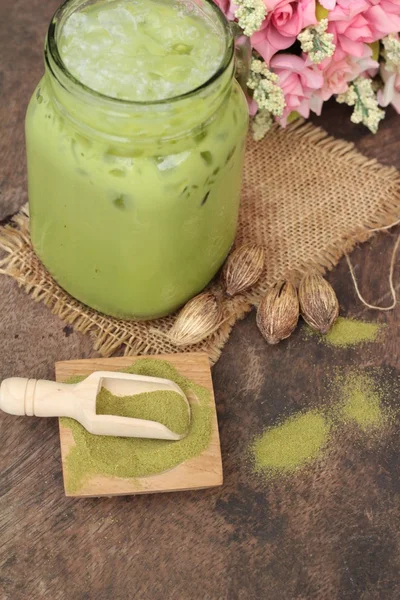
{"points": [[110, 334]]}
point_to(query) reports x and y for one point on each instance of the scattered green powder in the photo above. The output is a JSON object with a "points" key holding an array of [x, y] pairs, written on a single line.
{"points": [[357, 398], [134, 457], [166, 407], [361, 402], [292, 444], [350, 332]]}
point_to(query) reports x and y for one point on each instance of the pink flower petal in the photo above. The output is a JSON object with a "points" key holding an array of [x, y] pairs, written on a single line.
{"points": [[328, 4], [351, 47], [383, 23]]}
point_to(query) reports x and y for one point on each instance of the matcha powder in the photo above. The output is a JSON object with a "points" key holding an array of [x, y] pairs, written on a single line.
{"points": [[356, 399], [135, 457], [166, 407], [350, 332], [361, 402], [290, 445]]}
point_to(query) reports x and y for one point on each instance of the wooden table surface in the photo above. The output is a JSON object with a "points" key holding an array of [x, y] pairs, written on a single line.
{"points": [[329, 533]]}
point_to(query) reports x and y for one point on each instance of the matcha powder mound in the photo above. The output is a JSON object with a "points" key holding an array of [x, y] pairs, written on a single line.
{"points": [[166, 407], [290, 445], [135, 457], [350, 332], [361, 402]]}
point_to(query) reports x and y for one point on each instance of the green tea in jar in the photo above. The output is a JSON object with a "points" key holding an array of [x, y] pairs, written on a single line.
{"points": [[135, 144]]}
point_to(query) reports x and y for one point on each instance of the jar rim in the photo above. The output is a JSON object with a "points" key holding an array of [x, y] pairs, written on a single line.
{"points": [[52, 55]]}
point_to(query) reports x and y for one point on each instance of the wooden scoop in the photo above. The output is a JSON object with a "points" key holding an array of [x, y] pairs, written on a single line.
{"points": [[40, 398]]}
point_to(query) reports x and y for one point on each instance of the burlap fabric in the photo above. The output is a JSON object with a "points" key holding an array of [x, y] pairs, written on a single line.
{"points": [[307, 198]]}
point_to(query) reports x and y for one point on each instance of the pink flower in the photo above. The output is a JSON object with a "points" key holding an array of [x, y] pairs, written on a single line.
{"points": [[227, 7], [342, 68], [284, 21], [298, 81], [356, 22], [328, 4], [391, 90]]}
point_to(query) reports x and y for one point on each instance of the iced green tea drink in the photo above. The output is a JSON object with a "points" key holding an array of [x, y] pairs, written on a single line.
{"points": [[135, 142]]}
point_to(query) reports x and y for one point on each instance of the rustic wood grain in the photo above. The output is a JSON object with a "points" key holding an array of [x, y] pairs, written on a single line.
{"points": [[332, 533], [203, 471]]}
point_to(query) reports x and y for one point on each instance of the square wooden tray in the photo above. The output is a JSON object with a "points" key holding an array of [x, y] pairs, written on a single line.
{"points": [[202, 471]]}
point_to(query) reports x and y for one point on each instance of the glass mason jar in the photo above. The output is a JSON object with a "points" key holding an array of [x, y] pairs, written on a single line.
{"points": [[134, 205]]}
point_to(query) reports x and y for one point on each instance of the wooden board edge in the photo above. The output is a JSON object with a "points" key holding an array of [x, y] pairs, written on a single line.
{"points": [[203, 355]]}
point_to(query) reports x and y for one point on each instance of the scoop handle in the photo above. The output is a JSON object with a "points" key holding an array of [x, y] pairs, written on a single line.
{"points": [[37, 397]]}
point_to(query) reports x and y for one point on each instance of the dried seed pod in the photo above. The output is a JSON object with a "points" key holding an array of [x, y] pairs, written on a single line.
{"points": [[278, 312], [318, 302], [197, 320], [243, 268]]}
